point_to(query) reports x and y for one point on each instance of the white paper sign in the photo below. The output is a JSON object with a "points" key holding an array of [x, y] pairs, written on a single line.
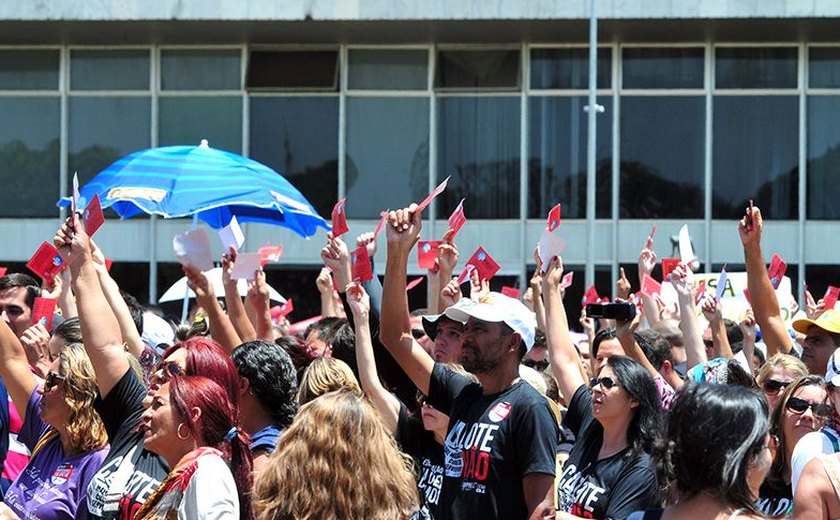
{"points": [[245, 266], [686, 252], [232, 236], [193, 248], [551, 245]]}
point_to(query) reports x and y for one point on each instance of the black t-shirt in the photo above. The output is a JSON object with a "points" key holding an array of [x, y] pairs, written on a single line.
{"points": [[774, 501], [610, 488], [420, 443], [130, 473], [493, 441]]}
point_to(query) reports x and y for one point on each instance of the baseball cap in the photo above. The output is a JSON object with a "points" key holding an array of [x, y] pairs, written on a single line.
{"points": [[496, 307], [430, 324], [828, 321], [157, 331], [832, 371]]}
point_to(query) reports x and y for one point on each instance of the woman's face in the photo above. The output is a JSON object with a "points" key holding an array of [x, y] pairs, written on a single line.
{"points": [[797, 423], [54, 409], [610, 403], [433, 420], [160, 423], [760, 466], [775, 384], [175, 363]]}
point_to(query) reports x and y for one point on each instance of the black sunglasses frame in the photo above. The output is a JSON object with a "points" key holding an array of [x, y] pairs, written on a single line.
{"points": [[52, 380], [800, 406], [606, 382]]}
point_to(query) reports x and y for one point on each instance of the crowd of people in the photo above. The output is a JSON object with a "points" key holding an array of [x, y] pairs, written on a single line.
{"points": [[478, 405]]}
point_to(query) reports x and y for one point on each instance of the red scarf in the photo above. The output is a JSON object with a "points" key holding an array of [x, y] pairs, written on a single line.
{"points": [[163, 504]]}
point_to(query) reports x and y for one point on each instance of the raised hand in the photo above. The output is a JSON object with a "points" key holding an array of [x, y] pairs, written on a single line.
{"points": [[450, 294], [647, 259], [369, 241], [751, 234], [403, 228], [228, 262], [258, 290], [622, 285], [358, 300], [198, 282], [683, 280], [72, 242], [324, 281], [712, 308], [748, 326]]}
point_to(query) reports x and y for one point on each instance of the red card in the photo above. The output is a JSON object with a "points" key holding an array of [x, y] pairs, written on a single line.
{"points": [[701, 292], [553, 218], [286, 308], [465, 274], [830, 297], [747, 295], [413, 283], [46, 262], [485, 265], [92, 216], [457, 220], [513, 292], [3, 271], [776, 271], [360, 263], [42, 311], [668, 265], [339, 219], [567, 280], [383, 216], [108, 264], [435, 192], [650, 286], [590, 296], [427, 251], [270, 253]]}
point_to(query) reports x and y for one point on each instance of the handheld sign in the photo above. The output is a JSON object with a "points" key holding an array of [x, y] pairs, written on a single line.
{"points": [[339, 219], [434, 193]]}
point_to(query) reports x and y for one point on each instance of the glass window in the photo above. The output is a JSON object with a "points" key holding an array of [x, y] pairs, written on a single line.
{"points": [[394, 171], [823, 157], [187, 120], [103, 129], [478, 145], [765, 67], [200, 69], [109, 70], [29, 70], [298, 137], [293, 70], [662, 156], [756, 155], [394, 69], [824, 67], [29, 156], [568, 68], [557, 157], [662, 68], [478, 69]]}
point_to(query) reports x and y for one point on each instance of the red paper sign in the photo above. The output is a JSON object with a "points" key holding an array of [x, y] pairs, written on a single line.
{"points": [[339, 219], [776, 271], [435, 192], [270, 253], [590, 296], [830, 297], [650, 286], [747, 295], [108, 264], [43, 310], [413, 283], [553, 218], [465, 274], [92, 216], [427, 251], [484, 264], [668, 265], [46, 262], [383, 216], [567, 280], [278, 311], [457, 220], [360, 264], [701, 292], [3, 271], [513, 292]]}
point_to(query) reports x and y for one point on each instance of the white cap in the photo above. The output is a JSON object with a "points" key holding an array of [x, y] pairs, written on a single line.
{"points": [[496, 307], [157, 331], [832, 371]]}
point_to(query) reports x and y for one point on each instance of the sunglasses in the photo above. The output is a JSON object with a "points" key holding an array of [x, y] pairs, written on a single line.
{"points": [[52, 380], [800, 406], [606, 382], [773, 386], [539, 366], [170, 368]]}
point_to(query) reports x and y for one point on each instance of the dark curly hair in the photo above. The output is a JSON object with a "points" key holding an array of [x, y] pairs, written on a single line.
{"points": [[272, 376]]}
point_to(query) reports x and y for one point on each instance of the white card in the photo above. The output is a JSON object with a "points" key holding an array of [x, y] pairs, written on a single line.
{"points": [[686, 252], [193, 248], [232, 236], [721, 284], [245, 266], [551, 245], [75, 201]]}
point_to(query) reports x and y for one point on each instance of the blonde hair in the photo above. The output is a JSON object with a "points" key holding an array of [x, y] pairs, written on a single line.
{"points": [[326, 375], [783, 361], [84, 426], [336, 461]]}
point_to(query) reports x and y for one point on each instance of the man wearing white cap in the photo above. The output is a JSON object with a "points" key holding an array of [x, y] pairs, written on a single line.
{"points": [[502, 438]]}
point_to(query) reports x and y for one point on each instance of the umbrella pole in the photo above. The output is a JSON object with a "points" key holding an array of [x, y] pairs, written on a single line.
{"points": [[185, 307]]}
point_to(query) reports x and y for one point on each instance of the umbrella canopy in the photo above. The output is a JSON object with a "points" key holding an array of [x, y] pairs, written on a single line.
{"points": [[214, 276], [183, 181]]}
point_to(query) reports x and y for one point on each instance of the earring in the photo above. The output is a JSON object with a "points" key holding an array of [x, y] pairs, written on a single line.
{"points": [[178, 431]]}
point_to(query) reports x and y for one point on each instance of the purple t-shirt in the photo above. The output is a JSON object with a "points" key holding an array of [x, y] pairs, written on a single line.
{"points": [[52, 486]]}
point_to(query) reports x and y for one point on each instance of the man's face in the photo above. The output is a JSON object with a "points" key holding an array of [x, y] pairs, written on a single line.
{"points": [[14, 310], [448, 342], [483, 346], [536, 358], [420, 334], [817, 349]]}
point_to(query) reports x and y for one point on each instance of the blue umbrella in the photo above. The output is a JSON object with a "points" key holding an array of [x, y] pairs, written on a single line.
{"points": [[203, 182]]}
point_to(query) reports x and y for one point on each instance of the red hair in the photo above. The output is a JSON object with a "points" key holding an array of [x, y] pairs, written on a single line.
{"points": [[206, 358]]}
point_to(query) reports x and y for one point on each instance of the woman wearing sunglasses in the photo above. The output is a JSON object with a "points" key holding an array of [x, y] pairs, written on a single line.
{"points": [[62, 430], [609, 473], [803, 408], [777, 374]]}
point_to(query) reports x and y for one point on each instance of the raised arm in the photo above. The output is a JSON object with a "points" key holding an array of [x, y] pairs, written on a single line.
{"points": [[260, 305], [447, 260], [713, 311], [624, 332], [221, 329], [763, 299], [683, 281], [403, 231], [233, 302], [14, 369], [647, 261], [387, 405]]}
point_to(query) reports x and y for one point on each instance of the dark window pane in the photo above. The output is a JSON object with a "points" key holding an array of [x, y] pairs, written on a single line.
{"points": [[662, 68], [662, 157], [101, 130], [200, 69], [298, 137], [766, 67], [293, 70], [823, 157], [29, 156], [818, 277], [478, 69], [394, 171], [29, 70], [568, 68], [185, 120], [478, 145], [109, 70], [557, 157], [388, 69], [756, 155], [824, 67]]}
